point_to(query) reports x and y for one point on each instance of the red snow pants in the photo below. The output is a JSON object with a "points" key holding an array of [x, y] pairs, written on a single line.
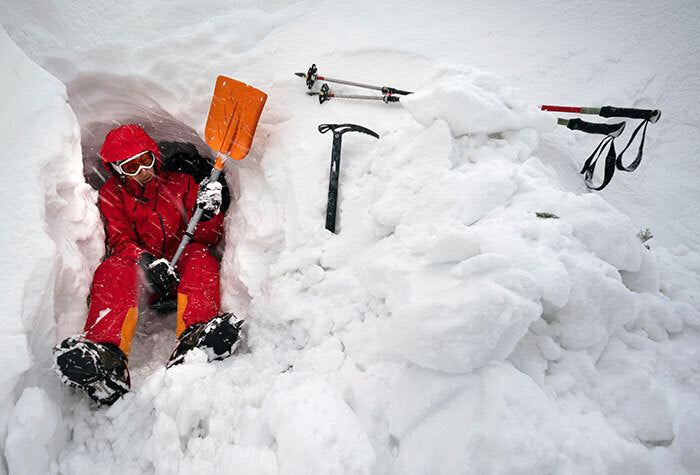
{"points": [[115, 296]]}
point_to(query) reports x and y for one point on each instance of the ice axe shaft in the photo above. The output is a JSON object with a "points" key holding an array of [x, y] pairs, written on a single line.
{"points": [[338, 131]]}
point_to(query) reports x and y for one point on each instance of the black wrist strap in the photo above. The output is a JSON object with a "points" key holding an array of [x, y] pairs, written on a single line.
{"points": [[613, 161], [591, 162]]}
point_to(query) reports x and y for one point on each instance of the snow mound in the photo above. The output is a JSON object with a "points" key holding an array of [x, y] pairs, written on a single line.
{"points": [[473, 102], [462, 272]]}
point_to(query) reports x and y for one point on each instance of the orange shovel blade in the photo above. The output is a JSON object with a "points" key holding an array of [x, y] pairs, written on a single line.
{"points": [[233, 117]]}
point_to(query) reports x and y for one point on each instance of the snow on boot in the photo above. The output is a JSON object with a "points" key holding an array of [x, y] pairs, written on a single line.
{"points": [[218, 338], [96, 368]]}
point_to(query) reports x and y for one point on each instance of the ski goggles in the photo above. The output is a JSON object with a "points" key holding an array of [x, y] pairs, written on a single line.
{"points": [[132, 166]]}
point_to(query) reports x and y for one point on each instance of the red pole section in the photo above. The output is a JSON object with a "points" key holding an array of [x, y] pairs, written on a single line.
{"points": [[575, 110]]}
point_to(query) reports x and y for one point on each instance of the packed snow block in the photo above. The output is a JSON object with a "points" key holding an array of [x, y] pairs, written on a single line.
{"points": [[530, 244], [687, 434], [456, 318], [473, 102], [451, 423], [315, 430], [424, 186], [451, 244], [163, 448], [599, 304], [647, 278], [635, 403], [679, 269], [605, 231], [35, 433]]}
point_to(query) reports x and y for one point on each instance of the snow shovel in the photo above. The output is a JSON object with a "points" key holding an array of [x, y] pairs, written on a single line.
{"points": [[233, 118]]}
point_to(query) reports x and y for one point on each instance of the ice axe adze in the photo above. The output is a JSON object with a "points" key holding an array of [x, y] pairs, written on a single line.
{"points": [[233, 118], [338, 131]]}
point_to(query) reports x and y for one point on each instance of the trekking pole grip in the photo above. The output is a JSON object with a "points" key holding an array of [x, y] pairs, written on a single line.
{"points": [[649, 114]]}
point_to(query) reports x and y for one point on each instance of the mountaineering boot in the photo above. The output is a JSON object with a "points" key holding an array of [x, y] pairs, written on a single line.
{"points": [[96, 368], [218, 338]]}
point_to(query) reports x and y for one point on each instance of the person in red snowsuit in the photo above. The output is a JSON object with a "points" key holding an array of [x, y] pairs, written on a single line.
{"points": [[146, 211]]}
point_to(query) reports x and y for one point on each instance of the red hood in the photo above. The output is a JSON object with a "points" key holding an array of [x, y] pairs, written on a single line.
{"points": [[127, 141]]}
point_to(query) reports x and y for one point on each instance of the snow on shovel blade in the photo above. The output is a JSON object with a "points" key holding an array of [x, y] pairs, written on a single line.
{"points": [[233, 117]]}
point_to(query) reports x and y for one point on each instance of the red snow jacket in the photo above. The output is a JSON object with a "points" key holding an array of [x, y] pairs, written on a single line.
{"points": [[150, 218]]}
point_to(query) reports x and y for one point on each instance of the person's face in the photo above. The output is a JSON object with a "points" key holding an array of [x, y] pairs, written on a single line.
{"points": [[143, 176]]}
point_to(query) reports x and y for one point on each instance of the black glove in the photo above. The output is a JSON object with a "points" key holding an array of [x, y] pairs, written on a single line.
{"points": [[161, 275], [209, 198]]}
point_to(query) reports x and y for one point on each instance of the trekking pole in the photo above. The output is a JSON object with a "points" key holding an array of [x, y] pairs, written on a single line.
{"points": [[652, 115], [325, 94], [312, 76]]}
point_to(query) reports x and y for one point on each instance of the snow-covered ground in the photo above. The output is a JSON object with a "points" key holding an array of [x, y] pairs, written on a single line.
{"points": [[478, 311]]}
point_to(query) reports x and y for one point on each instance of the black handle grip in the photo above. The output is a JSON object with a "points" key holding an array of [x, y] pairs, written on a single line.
{"points": [[651, 115], [311, 76], [613, 130], [393, 90]]}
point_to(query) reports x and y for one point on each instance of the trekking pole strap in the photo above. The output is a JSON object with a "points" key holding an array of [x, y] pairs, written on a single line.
{"points": [[633, 166], [592, 128], [591, 162]]}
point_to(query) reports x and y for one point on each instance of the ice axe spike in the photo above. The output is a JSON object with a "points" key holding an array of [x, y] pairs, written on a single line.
{"points": [[338, 131]]}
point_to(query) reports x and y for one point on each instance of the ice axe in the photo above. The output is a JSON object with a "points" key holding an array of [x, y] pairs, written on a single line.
{"points": [[233, 118], [338, 131]]}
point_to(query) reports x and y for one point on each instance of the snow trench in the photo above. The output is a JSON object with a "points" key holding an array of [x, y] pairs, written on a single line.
{"points": [[469, 313]]}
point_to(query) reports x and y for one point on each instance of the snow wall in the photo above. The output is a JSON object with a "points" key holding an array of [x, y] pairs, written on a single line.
{"points": [[469, 313]]}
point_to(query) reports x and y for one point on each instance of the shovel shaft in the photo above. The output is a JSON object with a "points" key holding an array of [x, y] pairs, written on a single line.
{"points": [[197, 215], [233, 117]]}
